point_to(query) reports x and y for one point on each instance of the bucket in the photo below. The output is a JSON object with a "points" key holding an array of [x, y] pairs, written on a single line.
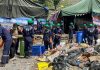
{"points": [[42, 65]]}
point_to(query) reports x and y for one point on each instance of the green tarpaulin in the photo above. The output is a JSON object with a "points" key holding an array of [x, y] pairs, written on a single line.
{"points": [[21, 8], [83, 7]]}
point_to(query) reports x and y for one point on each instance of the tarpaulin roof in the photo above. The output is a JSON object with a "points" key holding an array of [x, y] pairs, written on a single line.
{"points": [[83, 7], [21, 8]]}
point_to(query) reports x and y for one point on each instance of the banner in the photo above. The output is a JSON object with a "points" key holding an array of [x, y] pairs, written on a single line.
{"points": [[8, 22]]}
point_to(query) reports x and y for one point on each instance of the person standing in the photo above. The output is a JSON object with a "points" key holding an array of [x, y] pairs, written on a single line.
{"points": [[90, 34], [96, 32], [28, 32], [71, 31], [85, 33], [14, 45], [47, 39], [7, 39], [39, 27], [20, 32], [57, 37]]}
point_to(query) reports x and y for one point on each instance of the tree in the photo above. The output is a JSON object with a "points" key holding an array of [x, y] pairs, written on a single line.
{"points": [[56, 2]]}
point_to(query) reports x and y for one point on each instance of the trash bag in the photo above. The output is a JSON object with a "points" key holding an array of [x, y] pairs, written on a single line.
{"points": [[63, 62], [59, 63], [75, 53], [97, 48], [95, 65], [74, 62]]}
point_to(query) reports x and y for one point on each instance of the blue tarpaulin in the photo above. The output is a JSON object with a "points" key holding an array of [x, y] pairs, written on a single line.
{"points": [[21, 20]]}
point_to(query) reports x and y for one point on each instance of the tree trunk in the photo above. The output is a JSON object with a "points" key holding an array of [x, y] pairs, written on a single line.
{"points": [[55, 7]]}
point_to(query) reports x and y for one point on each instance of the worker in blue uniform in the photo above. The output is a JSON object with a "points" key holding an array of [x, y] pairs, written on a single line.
{"points": [[28, 32], [46, 39], [71, 32], [57, 37], [90, 34], [7, 38]]}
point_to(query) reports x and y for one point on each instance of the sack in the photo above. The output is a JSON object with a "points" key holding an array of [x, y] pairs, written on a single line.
{"points": [[94, 58], [84, 45], [1, 43], [90, 50]]}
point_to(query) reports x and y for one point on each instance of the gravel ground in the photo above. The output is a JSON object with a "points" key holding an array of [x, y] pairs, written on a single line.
{"points": [[20, 63]]}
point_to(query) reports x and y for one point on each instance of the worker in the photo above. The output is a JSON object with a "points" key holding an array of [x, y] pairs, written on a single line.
{"points": [[28, 32], [14, 45], [57, 37], [90, 34], [96, 32], [7, 38], [47, 39], [71, 31], [85, 33]]}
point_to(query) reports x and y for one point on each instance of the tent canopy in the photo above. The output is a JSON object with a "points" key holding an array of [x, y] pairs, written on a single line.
{"points": [[21, 8], [83, 7]]}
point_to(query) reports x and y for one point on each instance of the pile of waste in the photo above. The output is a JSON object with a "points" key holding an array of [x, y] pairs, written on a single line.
{"points": [[69, 56]]}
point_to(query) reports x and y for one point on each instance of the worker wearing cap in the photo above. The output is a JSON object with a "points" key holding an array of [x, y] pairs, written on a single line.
{"points": [[46, 38], [14, 46], [71, 31], [28, 37], [57, 37], [90, 34]]}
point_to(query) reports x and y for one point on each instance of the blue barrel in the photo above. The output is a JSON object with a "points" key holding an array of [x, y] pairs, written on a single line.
{"points": [[79, 36]]}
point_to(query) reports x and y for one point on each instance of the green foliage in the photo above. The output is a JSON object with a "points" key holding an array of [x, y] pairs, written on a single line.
{"points": [[53, 4], [42, 1], [56, 2]]}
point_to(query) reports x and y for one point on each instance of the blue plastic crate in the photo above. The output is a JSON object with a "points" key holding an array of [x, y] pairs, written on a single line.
{"points": [[38, 50]]}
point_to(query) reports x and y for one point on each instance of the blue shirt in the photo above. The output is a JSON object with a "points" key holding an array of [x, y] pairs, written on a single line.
{"points": [[28, 31]]}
